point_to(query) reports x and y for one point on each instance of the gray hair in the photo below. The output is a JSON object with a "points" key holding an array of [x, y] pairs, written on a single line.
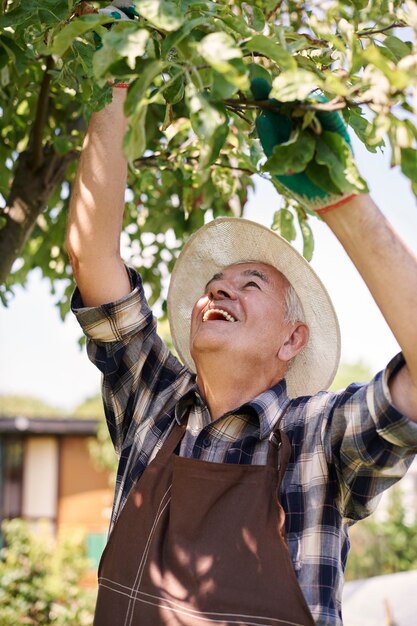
{"points": [[293, 310]]}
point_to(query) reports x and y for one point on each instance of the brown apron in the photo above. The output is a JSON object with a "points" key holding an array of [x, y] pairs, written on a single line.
{"points": [[201, 543]]}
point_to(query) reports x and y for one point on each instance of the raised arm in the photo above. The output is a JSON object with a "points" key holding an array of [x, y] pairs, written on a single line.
{"points": [[96, 208], [389, 269]]}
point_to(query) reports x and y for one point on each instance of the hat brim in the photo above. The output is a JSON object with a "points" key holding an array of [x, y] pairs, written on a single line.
{"points": [[226, 241]]}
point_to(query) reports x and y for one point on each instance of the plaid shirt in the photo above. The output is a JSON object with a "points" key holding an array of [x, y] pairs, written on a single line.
{"points": [[347, 447]]}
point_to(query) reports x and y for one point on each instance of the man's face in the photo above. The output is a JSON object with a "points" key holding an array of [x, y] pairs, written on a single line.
{"points": [[241, 314]]}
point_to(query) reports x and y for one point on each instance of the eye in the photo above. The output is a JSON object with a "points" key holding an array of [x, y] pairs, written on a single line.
{"points": [[252, 283]]}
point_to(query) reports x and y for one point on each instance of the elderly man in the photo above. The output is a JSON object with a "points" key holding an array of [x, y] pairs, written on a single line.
{"points": [[238, 473]]}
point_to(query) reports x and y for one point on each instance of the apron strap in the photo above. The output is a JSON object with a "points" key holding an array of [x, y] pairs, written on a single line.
{"points": [[279, 450], [171, 442]]}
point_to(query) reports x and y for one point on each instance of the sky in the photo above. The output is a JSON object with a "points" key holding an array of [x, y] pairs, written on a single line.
{"points": [[40, 355]]}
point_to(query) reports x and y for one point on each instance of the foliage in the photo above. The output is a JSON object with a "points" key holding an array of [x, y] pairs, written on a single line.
{"points": [[191, 141], [351, 373], [11, 406], [40, 579], [102, 452], [383, 547], [90, 408]]}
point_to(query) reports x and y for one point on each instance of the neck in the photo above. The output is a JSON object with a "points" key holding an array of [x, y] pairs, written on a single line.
{"points": [[226, 386]]}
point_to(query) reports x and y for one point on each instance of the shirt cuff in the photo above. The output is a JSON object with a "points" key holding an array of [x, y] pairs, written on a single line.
{"points": [[116, 320], [391, 424]]}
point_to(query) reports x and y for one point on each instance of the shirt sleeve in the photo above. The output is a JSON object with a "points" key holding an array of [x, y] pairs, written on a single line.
{"points": [[369, 442], [136, 365]]}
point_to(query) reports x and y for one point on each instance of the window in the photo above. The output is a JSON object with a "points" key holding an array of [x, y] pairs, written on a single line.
{"points": [[11, 473]]}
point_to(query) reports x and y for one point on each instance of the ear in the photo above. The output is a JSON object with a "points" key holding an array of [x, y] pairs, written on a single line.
{"points": [[295, 342]]}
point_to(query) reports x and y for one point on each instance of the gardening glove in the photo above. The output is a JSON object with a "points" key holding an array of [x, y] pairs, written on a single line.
{"points": [[330, 177], [120, 10]]}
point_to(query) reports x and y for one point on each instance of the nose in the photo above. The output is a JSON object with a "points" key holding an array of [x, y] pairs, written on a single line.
{"points": [[219, 290]]}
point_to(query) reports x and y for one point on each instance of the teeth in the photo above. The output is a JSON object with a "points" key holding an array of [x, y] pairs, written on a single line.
{"points": [[225, 314]]}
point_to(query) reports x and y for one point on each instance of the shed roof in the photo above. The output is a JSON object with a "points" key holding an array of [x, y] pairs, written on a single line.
{"points": [[47, 426]]}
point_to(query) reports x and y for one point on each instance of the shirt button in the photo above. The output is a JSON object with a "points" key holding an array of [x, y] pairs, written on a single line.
{"points": [[206, 443]]}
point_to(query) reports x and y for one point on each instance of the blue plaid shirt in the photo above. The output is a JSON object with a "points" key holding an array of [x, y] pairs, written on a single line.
{"points": [[347, 447]]}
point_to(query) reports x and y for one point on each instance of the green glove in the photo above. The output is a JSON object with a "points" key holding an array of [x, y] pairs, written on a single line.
{"points": [[118, 10], [316, 188]]}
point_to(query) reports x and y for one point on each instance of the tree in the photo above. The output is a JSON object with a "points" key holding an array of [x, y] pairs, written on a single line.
{"points": [[191, 143], [384, 547], [15, 405], [40, 578], [348, 373]]}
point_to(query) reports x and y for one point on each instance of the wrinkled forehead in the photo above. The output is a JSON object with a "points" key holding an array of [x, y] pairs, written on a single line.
{"points": [[268, 273]]}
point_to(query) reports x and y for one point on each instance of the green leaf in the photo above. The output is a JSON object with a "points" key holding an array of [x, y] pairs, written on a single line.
{"points": [[177, 127], [63, 145], [283, 223], [164, 14], [308, 238], [174, 38], [398, 79], [211, 149], [16, 55], [129, 42], [221, 88], [217, 49], [237, 24], [258, 21], [361, 127], [210, 124], [149, 69], [409, 163], [134, 142], [397, 47], [271, 49], [334, 152], [119, 43], [294, 85], [258, 71], [205, 118], [20, 15], [336, 85], [320, 176], [74, 29], [174, 92], [293, 156], [220, 51]]}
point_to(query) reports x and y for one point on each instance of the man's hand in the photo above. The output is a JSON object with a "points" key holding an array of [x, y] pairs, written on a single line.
{"points": [[120, 10], [317, 187]]}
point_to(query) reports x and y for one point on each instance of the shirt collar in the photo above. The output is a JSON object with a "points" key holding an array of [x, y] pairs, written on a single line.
{"points": [[191, 398], [268, 406]]}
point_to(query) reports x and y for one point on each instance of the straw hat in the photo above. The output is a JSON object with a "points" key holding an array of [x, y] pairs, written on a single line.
{"points": [[226, 241]]}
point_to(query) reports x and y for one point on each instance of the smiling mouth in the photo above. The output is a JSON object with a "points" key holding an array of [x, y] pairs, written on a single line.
{"points": [[218, 314]]}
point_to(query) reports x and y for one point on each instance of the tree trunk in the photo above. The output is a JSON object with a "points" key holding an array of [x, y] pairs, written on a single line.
{"points": [[28, 197]]}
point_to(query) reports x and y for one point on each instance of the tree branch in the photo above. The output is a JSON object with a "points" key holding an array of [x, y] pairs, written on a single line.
{"points": [[41, 114], [152, 161], [336, 104], [375, 31], [239, 113], [274, 10]]}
